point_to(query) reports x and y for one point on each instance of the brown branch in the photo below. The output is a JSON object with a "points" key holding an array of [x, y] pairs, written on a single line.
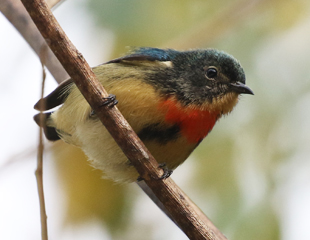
{"points": [[16, 13], [184, 212]]}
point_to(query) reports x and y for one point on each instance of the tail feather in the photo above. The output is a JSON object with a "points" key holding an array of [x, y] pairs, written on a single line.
{"points": [[55, 98], [50, 132]]}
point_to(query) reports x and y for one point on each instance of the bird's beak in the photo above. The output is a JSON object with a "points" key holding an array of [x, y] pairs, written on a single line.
{"points": [[241, 88]]}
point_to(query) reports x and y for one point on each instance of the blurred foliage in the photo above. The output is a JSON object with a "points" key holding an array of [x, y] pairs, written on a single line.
{"points": [[260, 223], [188, 23], [235, 165], [88, 195], [148, 23]]}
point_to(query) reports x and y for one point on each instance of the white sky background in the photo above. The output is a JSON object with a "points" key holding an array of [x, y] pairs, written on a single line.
{"points": [[20, 82]]}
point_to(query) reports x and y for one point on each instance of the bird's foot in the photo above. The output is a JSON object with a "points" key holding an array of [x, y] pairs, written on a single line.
{"points": [[167, 172], [110, 101]]}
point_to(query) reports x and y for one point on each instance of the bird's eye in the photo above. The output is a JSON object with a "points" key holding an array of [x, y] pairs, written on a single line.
{"points": [[211, 73]]}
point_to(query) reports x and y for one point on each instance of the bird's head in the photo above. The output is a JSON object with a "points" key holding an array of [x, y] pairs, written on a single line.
{"points": [[207, 75]]}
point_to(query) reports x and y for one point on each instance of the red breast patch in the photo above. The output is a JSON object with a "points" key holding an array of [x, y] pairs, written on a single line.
{"points": [[195, 124]]}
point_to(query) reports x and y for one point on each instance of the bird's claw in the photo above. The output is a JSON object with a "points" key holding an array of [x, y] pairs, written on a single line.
{"points": [[167, 172], [110, 101]]}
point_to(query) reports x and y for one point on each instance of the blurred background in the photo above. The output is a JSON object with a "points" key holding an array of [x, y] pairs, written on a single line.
{"points": [[251, 175]]}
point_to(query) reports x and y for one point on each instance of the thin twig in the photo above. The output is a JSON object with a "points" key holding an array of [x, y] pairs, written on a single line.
{"points": [[183, 211], [39, 170]]}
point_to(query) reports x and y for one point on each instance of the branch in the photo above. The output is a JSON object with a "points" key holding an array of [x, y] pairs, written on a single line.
{"points": [[39, 170], [185, 213]]}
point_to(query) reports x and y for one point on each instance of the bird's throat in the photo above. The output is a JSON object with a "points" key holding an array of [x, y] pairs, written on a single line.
{"points": [[195, 123]]}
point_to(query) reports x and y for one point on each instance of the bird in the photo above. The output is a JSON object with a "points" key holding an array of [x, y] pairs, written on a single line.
{"points": [[172, 100]]}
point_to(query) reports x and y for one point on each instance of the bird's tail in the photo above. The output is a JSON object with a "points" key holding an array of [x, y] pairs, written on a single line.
{"points": [[50, 132]]}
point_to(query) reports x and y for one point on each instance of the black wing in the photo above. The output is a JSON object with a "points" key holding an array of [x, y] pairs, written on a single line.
{"points": [[55, 98]]}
